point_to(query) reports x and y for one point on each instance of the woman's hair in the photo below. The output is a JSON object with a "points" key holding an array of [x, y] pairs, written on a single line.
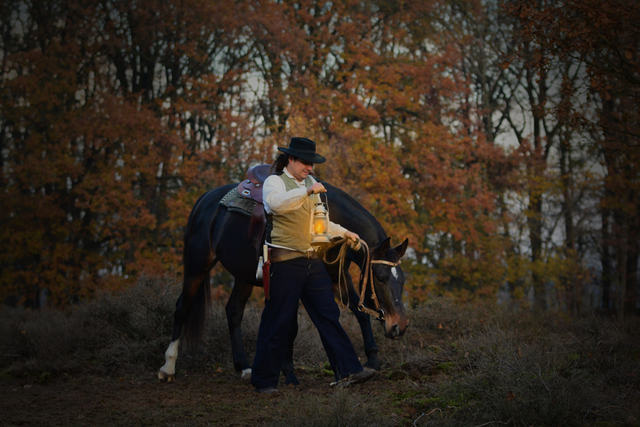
{"points": [[282, 160]]}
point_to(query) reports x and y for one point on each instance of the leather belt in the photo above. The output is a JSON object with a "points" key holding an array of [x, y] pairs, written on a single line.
{"points": [[281, 254]]}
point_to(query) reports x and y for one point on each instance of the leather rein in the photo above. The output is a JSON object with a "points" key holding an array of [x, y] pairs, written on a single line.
{"points": [[366, 271]]}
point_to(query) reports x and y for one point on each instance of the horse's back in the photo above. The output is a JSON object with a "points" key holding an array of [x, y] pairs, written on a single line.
{"points": [[205, 208], [211, 198], [224, 232]]}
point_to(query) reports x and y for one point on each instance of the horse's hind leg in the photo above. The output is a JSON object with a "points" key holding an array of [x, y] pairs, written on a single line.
{"points": [[194, 290], [235, 311], [168, 370]]}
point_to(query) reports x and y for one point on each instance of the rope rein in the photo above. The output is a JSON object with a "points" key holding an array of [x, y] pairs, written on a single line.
{"points": [[366, 271], [342, 277]]}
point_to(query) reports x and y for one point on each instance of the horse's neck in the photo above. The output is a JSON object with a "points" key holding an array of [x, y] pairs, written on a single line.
{"points": [[350, 214], [368, 230]]}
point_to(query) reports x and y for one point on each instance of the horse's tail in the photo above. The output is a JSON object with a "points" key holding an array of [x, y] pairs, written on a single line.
{"points": [[196, 319]]}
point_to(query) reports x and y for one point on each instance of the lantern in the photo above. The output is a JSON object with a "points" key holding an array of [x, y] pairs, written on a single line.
{"points": [[321, 238]]}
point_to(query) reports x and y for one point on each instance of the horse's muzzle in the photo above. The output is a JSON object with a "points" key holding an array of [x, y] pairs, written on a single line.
{"points": [[395, 326]]}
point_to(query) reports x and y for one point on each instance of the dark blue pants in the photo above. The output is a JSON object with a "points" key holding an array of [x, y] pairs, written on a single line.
{"points": [[306, 280]]}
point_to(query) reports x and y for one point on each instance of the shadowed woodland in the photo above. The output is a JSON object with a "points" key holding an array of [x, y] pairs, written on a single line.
{"points": [[501, 136]]}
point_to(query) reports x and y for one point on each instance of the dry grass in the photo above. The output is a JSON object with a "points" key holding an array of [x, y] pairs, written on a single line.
{"points": [[458, 365], [341, 408]]}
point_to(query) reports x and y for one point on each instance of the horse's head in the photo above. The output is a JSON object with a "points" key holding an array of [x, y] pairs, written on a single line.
{"points": [[387, 279]]}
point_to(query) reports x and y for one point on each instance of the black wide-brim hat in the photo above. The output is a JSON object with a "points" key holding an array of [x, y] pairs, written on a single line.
{"points": [[304, 149]]}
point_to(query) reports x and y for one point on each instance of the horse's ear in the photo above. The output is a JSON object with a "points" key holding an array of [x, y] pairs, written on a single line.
{"points": [[384, 247], [401, 248]]}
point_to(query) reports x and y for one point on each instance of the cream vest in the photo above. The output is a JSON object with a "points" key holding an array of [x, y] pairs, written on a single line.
{"points": [[293, 229]]}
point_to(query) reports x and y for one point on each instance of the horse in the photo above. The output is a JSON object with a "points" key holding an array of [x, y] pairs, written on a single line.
{"points": [[214, 233]]}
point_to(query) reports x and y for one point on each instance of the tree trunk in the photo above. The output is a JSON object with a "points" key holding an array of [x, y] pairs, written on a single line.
{"points": [[620, 229], [535, 235], [605, 258], [572, 288], [630, 283]]}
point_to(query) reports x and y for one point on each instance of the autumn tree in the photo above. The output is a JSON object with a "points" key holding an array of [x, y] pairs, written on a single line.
{"points": [[115, 115], [376, 84]]}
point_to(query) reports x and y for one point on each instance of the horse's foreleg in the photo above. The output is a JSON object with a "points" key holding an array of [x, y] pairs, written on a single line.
{"points": [[287, 366], [235, 311], [364, 320], [370, 347]]}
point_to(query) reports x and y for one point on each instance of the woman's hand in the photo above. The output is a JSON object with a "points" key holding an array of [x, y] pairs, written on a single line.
{"points": [[354, 240], [316, 188], [351, 236]]}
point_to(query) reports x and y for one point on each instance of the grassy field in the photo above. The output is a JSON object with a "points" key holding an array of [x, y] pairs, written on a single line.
{"points": [[471, 365]]}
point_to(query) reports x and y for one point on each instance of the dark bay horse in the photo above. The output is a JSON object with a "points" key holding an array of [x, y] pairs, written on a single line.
{"points": [[215, 233]]}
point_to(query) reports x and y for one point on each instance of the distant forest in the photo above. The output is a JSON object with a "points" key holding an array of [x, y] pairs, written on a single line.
{"points": [[500, 137]]}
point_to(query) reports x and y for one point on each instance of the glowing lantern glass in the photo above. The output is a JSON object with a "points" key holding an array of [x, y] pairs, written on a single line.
{"points": [[321, 238]]}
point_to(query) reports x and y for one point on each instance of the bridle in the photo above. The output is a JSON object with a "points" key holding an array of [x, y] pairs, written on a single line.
{"points": [[366, 271]]}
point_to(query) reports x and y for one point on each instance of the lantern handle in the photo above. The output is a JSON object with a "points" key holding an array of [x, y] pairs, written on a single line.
{"points": [[326, 203]]}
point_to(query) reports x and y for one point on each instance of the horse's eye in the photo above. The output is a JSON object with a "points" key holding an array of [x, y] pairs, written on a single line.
{"points": [[379, 278]]}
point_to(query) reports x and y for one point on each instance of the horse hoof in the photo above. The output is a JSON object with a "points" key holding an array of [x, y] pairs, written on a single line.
{"points": [[164, 377], [246, 374]]}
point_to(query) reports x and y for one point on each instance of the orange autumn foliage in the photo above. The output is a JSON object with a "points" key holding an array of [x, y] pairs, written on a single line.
{"points": [[116, 116]]}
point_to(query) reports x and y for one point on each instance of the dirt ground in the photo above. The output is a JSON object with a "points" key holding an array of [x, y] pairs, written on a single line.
{"points": [[195, 399], [456, 366]]}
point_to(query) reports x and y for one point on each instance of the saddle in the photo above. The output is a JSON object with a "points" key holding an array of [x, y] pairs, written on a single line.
{"points": [[251, 188]]}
